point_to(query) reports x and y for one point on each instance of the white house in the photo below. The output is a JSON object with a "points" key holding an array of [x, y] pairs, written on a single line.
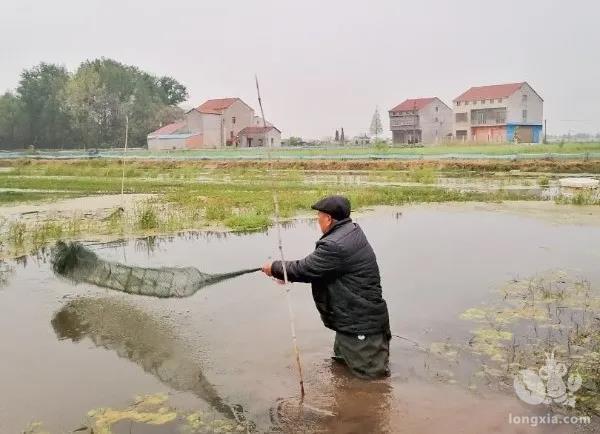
{"points": [[511, 112], [216, 123], [420, 120], [260, 136]]}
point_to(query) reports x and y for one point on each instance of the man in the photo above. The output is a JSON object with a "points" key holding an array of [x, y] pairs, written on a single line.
{"points": [[346, 288]]}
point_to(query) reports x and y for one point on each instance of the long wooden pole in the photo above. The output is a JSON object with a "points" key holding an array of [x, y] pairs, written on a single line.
{"points": [[281, 255], [124, 152]]}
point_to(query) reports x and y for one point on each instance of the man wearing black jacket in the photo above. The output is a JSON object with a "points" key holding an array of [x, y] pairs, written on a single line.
{"points": [[346, 288]]}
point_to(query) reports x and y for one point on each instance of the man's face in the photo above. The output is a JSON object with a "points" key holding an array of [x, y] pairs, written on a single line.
{"points": [[324, 220]]}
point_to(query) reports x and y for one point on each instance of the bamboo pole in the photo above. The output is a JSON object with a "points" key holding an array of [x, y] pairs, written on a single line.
{"points": [[281, 255]]}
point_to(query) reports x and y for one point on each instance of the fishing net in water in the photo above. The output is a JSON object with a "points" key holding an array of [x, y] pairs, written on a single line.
{"points": [[79, 264]]}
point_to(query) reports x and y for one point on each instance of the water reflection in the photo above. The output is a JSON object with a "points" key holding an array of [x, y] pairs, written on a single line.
{"points": [[339, 403], [6, 272], [141, 338]]}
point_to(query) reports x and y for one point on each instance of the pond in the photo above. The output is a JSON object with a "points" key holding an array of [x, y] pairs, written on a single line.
{"points": [[222, 360]]}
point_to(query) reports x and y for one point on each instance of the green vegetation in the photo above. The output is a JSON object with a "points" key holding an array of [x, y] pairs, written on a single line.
{"points": [[53, 108], [580, 198], [236, 196], [543, 181], [554, 313], [579, 150]]}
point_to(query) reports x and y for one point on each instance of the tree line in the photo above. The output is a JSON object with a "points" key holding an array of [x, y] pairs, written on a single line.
{"points": [[53, 108]]}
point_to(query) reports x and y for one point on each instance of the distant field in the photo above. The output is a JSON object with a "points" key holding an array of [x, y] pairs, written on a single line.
{"points": [[568, 150]]}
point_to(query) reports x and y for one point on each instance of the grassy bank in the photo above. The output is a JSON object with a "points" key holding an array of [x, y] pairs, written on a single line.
{"points": [[380, 149], [198, 195]]}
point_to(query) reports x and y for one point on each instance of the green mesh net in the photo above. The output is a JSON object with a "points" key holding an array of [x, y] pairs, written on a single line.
{"points": [[81, 265]]}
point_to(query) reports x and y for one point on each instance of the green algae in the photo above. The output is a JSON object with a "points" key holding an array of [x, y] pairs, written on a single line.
{"points": [[554, 312], [154, 410]]}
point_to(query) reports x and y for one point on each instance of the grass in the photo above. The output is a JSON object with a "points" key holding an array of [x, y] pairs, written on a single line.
{"points": [[380, 148], [16, 197], [197, 195]]}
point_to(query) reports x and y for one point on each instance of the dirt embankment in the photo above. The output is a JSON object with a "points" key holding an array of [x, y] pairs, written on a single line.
{"points": [[482, 165]]}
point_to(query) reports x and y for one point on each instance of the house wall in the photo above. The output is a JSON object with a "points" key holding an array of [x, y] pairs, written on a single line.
{"points": [[195, 142], [165, 143], [244, 117], [212, 131], [435, 124], [489, 134], [533, 104], [266, 137], [473, 105], [193, 119]]}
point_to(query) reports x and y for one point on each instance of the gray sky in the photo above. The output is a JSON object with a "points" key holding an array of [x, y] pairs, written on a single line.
{"points": [[326, 64]]}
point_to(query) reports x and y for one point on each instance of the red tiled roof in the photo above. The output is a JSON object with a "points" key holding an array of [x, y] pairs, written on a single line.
{"points": [[257, 130], [412, 104], [208, 112], [169, 129], [216, 105], [490, 92]]}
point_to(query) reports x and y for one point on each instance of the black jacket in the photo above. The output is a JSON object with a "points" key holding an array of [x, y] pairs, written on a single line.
{"points": [[345, 281]]}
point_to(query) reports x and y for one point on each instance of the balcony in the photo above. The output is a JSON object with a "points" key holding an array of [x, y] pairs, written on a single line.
{"points": [[487, 122], [404, 122], [488, 117]]}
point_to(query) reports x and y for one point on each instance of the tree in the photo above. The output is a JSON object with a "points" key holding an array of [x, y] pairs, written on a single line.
{"points": [[53, 108], [174, 92], [337, 136], [295, 141], [12, 122], [376, 125], [104, 91], [342, 137], [42, 94]]}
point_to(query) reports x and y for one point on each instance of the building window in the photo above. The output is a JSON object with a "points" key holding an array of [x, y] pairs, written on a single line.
{"points": [[491, 101], [272, 141], [524, 115], [482, 101], [499, 100], [260, 142], [461, 117], [436, 109], [457, 103], [435, 120], [233, 120], [523, 98]]}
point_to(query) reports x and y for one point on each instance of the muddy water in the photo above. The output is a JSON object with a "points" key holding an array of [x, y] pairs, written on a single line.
{"points": [[226, 352]]}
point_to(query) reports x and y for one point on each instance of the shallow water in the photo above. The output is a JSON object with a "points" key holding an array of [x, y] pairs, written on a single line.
{"points": [[227, 351]]}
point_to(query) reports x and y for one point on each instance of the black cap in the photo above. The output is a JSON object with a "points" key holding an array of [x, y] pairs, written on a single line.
{"points": [[338, 207]]}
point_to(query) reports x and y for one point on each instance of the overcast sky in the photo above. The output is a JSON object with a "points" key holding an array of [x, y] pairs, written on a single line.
{"points": [[326, 64]]}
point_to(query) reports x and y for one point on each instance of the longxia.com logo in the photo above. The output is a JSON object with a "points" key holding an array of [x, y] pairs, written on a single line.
{"points": [[548, 419], [547, 385]]}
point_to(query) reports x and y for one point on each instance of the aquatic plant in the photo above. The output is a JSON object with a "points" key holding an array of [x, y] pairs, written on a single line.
{"points": [[16, 234], [550, 313], [424, 175], [147, 219], [544, 181]]}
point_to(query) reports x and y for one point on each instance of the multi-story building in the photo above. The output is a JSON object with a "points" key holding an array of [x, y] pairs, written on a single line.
{"points": [[214, 124], [510, 112], [421, 120]]}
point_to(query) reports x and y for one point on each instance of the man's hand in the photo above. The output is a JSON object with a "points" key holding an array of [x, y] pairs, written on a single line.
{"points": [[266, 268]]}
